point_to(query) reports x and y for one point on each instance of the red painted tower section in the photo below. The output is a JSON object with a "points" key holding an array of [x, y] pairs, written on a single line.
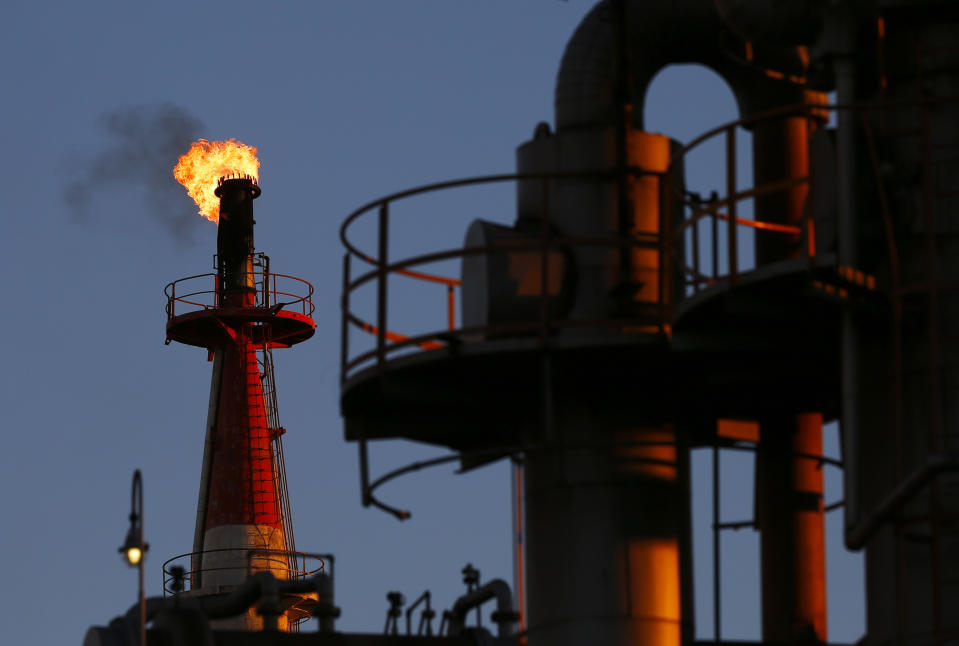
{"points": [[243, 478], [243, 521]]}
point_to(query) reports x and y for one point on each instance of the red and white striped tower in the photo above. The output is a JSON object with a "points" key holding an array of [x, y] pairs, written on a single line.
{"points": [[243, 519]]}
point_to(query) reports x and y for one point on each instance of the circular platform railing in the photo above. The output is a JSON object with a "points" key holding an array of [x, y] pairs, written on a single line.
{"points": [[671, 242], [200, 292], [721, 213], [389, 341], [284, 564]]}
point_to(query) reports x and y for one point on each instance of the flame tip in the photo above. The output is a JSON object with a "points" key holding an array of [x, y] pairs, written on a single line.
{"points": [[208, 164]]}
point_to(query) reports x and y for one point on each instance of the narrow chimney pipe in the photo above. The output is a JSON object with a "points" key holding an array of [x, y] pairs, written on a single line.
{"points": [[234, 239]]}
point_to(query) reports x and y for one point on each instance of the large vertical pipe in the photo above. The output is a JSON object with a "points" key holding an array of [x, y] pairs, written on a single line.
{"points": [[780, 152], [606, 501], [788, 484], [234, 241], [789, 514], [606, 534]]}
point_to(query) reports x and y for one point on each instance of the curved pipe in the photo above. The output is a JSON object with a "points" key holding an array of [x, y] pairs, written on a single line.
{"points": [[504, 616], [662, 33], [259, 587]]}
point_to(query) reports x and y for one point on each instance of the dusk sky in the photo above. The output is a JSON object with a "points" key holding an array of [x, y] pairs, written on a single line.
{"points": [[346, 100]]}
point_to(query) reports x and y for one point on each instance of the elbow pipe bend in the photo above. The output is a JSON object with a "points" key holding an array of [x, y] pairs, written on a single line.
{"points": [[504, 616], [663, 33], [236, 601]]}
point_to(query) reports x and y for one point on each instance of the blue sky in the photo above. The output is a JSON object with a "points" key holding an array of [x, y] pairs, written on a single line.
{"points": [[347, 100]]}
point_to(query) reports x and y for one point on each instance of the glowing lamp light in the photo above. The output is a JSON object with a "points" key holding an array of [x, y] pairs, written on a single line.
{"points": [[133, 555], [132, 550]]}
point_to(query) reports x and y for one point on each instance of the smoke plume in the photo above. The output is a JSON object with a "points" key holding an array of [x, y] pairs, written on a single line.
{"points": [[143, 145]]}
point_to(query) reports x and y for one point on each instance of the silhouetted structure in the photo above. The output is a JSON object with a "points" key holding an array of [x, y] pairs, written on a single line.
{"points": [[243, 515], [623, 321]]}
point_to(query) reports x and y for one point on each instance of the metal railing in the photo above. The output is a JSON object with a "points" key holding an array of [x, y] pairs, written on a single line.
{"points": [[389, 341], [722, 212], [285, 564], [201, 292]]}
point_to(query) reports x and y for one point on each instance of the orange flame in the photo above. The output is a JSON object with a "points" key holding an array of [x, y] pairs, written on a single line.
{"points": [[206, 162]]}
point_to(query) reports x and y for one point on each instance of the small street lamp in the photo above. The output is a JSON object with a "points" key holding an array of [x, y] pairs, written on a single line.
{"points": [[134, 549]]}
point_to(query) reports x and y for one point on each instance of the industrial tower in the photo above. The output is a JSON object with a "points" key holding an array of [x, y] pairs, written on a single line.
{"points": [[239, 314], [619, 323]]}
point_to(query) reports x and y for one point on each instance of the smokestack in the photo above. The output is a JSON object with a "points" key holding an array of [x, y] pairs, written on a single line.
{"points": [[243, 519], [234, 239]]}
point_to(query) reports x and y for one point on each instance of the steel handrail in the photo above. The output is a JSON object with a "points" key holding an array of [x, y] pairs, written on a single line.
{"points": [[290, 558], [440, 338], [810, 111], [430, 278], [382, 267], [807, 109], [469, 181], [711, 209], [554, 243], [270, 291]]}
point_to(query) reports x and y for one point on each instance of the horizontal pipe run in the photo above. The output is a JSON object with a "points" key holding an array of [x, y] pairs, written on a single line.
{"points": [[231, 604]]}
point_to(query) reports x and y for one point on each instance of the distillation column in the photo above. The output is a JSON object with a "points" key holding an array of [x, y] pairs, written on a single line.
{"points": [[907, 372]]}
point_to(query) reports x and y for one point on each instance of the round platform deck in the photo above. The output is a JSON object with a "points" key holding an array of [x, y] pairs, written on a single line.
{"points": [[206, 328], [767, 345]]}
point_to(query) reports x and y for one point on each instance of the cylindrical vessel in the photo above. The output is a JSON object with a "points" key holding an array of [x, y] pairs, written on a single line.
{"points": [[907, 368], [606, 499], [607, 534], [610, 280], [789, 515]]}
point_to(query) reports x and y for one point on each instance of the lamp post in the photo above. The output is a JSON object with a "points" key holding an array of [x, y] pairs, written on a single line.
{"points": [[134, 549]]}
